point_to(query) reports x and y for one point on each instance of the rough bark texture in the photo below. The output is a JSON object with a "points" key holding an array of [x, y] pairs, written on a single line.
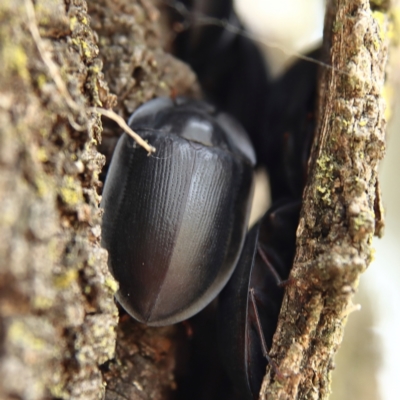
{"points": [[58, 316], [340, 210]]}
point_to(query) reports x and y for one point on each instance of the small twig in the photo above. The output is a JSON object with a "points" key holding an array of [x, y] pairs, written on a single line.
{"points": [[120, 121]]}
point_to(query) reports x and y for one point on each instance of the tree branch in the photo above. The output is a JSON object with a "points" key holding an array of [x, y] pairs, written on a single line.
{"points": [[339, 215]]}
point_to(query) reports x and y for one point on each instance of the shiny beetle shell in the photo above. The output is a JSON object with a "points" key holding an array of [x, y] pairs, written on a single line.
{"points": [[174, 223]]}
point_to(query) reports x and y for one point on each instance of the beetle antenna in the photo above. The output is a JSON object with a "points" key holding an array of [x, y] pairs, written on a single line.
{"points": [[261, 334]]}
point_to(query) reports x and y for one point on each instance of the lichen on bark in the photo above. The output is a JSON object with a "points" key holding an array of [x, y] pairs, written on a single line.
{"points": [[58, 315]]}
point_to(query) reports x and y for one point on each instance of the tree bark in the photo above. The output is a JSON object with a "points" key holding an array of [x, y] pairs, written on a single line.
{"points": [[341, 202], [58, 316]]}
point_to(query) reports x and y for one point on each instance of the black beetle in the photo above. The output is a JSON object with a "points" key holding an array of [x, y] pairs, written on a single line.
{"points": [[240, 312], [174, 224]]}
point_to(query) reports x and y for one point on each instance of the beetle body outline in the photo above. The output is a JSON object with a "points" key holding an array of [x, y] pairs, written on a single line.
{"points": [[162, 212]]}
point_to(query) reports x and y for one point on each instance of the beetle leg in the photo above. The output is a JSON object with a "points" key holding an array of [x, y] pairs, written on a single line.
{"points": [[261, 334], [279, 281], [259, 328]]}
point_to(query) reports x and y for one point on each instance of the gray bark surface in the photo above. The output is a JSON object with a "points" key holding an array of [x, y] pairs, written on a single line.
{"points": [[341, 203], [58, 316]]}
